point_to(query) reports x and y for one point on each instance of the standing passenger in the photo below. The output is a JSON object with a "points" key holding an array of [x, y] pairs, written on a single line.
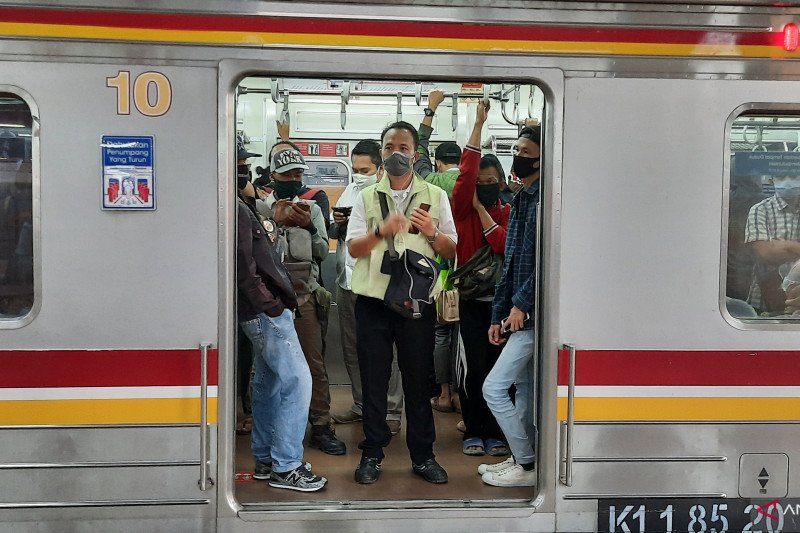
{"points": [[481, 220], [282, 381], [513, 303], [378, 326], [366, 161], [306, 245], [442, 173]]}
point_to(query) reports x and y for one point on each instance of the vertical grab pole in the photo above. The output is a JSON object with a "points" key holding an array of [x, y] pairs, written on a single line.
{"points": [[567, 477], [205, 481]]}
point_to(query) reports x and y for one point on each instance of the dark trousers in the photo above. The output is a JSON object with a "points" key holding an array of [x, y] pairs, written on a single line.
{"points": [[377, 329], [244, 363], [475, 317]]}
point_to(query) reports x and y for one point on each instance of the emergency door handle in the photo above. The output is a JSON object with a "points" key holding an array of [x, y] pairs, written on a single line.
{"points": [[205, 482], [565, 474]]}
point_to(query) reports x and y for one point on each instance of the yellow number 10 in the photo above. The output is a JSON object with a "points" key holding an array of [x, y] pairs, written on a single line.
{"points": [[141, 90]]}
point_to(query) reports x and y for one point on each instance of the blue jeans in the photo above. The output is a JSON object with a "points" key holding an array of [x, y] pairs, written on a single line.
{"points": [[281, 391], [514, 367]]}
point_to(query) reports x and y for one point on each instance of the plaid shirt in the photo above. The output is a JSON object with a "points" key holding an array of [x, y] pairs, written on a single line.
{"points": [[769, 220], [519, 266]]}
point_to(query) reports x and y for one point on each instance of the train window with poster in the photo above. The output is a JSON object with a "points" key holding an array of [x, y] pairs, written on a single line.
{"points": [[762, 281], [332, 124], [17, 221]]}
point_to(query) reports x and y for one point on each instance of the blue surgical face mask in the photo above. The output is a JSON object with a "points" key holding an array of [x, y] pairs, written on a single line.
{"points": [[398, 164], [788, 190]]}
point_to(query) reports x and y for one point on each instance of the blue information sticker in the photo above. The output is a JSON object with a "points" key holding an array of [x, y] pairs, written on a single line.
{"points": [[766, 164], [128, 172]]}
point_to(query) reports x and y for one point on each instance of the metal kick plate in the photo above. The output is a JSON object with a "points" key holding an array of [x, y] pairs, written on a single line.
{"points": [[763, 475]]}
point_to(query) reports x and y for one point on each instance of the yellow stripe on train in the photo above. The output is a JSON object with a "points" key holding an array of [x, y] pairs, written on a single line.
{"points": [[105, 412], [681, 409], [409, 43]]}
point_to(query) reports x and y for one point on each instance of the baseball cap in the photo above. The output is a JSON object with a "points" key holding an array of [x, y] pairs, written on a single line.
{"points": [[287, 160], [447, 149], [244, 154]]}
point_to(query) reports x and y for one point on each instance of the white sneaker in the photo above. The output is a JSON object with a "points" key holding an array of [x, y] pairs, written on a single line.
{"points": [[483, 468], [514, 476]]}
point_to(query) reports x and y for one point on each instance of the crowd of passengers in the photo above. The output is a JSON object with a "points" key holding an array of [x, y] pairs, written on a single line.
{"points": [[411, 232]]}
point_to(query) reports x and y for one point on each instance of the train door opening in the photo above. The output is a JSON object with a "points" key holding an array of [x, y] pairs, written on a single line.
{"points": [[328, 122]]}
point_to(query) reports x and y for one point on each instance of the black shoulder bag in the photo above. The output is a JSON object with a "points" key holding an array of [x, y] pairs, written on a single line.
{"points": [[412, 276]]}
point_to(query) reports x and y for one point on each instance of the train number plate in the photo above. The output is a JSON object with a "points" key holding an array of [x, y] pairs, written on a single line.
{"points": [[661, 515]]}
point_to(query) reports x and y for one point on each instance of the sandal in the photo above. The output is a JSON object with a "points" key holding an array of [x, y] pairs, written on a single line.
{"points": [[245, 426], [496, 448], [473, 446], [448, 408]]}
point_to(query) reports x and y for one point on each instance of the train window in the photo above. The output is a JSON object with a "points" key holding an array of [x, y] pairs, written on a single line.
{"points": [[16, 211], [763, 247], [336, 127]]}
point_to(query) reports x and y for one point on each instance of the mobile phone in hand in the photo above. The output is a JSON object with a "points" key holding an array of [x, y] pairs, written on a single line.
{"points": [[424, 207], [506, 333], [345, 211]]}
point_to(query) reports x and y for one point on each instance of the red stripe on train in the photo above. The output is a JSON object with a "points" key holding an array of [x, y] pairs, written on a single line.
{"points": [[389, 28], [106, 368], [635, 367]]}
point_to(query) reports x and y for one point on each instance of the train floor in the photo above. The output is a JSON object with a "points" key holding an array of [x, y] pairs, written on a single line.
{"points": [[397, 483]]}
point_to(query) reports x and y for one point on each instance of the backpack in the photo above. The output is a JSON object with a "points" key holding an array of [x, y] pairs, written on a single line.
{"points": [[293, 245]]}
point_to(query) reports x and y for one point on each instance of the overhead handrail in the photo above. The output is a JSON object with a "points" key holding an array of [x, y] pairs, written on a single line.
{"points": [[503, 101], [399, 106], [345, 101], [285, 112], [759, 146], [276, 88], [418, 93], [499, 96], [455, 112]]}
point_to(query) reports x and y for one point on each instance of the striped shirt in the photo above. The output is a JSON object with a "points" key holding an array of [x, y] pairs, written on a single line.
{"points": [[771, 219], [519, 267]]}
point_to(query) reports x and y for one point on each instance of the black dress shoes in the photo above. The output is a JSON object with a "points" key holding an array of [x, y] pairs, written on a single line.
{"points": [[323, 438], [431, 471], [369, 470]]}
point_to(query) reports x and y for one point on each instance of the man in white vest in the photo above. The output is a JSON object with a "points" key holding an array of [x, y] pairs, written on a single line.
{"points": [[419, 223]]}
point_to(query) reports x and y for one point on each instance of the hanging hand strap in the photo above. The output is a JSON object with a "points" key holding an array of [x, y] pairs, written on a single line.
{"points": [[393, 255]]}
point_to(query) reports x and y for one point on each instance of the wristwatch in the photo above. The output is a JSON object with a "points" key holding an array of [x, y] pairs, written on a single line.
{"points": [[432, 238], [429, 112]]}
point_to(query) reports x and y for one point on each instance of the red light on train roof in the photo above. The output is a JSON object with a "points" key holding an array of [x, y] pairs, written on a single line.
{"points": [[791, 37]]}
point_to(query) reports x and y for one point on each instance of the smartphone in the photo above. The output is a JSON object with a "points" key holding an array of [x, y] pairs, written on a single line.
{"points": [[424, 207], [304, 206], [506, 333], [343, 210]]}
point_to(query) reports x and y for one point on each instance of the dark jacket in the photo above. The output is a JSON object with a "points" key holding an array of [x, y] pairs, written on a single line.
{"points": [[263, 283]]}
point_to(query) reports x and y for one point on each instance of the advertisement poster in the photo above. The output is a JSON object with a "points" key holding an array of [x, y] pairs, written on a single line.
{"points": [[128, 172]]}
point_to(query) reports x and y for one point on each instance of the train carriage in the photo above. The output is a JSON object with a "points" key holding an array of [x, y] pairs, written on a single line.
{"points": [[667, 389]]}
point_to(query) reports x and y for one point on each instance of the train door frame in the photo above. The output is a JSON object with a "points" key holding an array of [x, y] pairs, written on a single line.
{"points": [[410, 66]]}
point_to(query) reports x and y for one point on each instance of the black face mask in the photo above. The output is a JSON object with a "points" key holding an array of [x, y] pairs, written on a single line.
{"points": [[242, 175], [523, 166], [488, 194]]}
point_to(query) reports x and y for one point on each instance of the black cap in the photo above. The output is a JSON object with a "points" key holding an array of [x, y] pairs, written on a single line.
{"points": [[448, 150]]}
